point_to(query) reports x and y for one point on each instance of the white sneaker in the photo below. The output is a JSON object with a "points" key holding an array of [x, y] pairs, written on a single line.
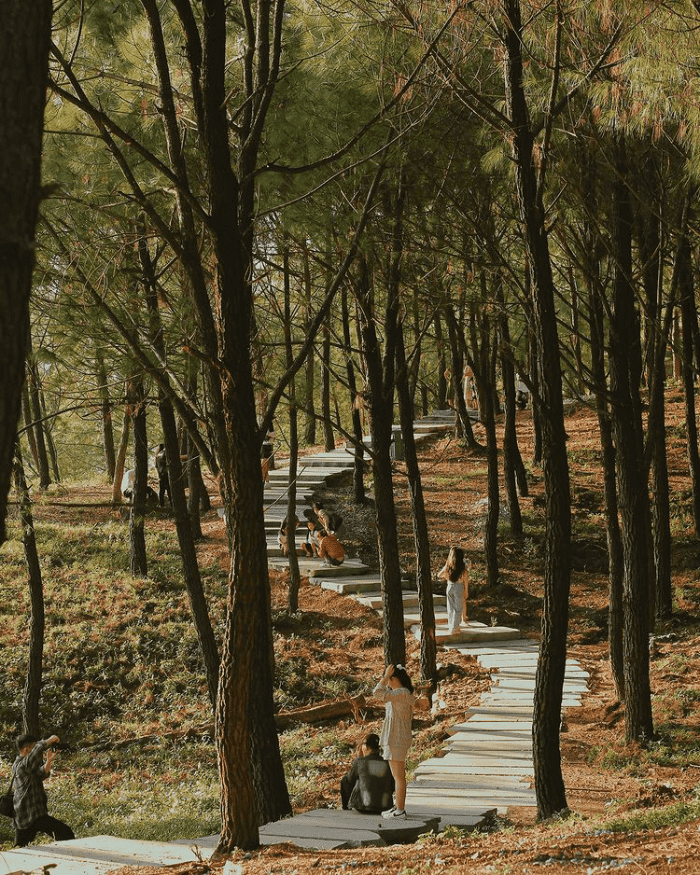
{"points": [[393, 813]]}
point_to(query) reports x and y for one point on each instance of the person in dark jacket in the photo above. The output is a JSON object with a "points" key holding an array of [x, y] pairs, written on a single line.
{"points": [[369, 784], [29, 771]]}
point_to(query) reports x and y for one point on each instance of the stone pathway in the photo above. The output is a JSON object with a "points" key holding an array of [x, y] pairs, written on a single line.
{"points": [[485, 767]]}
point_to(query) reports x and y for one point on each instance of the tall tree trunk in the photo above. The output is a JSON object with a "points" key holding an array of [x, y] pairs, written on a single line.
{"points": [[294, 575], [32, 688], [106, 416], [328, 437], [183, 526], [689, 318], [253, 788], [625, 367], [590, 255], [28, 429], [121, 456], [138, 563], [48, 434], [421, 538], [24, 48], [511, 452], [310, 365], [480, 362], [381, 390], [42, 458], [457, 369], [358, 469], [653, 370], [549, 682], [441, 362]]}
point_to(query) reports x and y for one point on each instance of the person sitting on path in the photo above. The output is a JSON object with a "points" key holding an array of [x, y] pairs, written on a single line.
{"points": [[331, 522], [330, 549], [29, 771], [311, 524], [396, 691], [282, 539], [456, 572], [369, 784]]}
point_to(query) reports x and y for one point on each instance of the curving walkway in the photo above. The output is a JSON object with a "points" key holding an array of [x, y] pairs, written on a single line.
{"points": [[485, 766]]}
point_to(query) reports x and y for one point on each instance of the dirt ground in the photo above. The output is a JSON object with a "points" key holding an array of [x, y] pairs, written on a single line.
{"points": [[604, 779]]}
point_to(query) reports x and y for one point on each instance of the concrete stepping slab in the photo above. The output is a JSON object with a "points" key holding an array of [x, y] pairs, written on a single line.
{"points": [[448, 817], [434, 769], [480, 756], [348, 829], [350, 585], [498, 730], [486, 796], [314, 835], [375, 600], [94, 856], [500, 712], [471, 634], [468, 784]]}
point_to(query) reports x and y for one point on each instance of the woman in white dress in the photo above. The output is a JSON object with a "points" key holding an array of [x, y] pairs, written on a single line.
{"points": [[396, 691], [456, 572]]}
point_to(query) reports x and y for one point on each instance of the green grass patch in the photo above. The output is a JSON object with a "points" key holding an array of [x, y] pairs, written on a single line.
{"points": [[675, 814]]}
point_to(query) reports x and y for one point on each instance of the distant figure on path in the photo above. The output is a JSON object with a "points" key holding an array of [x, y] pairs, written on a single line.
{"points": [[456, 572], [29, 772], [282, 536], [128, 487], [396, 691], [369, 784], [522, 393], [163, 480]]}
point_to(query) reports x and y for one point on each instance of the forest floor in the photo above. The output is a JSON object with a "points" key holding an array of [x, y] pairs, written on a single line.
{"points": [[634, 808]]}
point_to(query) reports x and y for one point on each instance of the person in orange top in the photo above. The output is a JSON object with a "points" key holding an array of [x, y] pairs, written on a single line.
{"points": [[330, 550]]}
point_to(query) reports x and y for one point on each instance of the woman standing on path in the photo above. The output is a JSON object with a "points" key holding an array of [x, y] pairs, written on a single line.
{"points": [[456, 572], [396, 691]]}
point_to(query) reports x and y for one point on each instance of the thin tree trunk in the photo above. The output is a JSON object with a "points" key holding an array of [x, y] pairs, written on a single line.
{"points": [[42, 458], [480, 362], [48, 434], [686, 290], [138, 563], [328, 437], [183, 520], [457, 368], [309, 366], [32, 688], [511, 452], [121, 456], [625, 363], [28, 419], [549, 681], [290, 533], [442, 362], [106, 417], [381, 390], [358, 469], [421, 538]]}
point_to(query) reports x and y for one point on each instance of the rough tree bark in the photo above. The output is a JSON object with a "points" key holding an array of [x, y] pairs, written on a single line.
{"points": [[35, 664], [24, 47], [530, 177]]}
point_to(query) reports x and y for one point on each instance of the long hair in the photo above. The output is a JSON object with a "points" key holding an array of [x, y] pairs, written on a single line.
{"points": [[456, 564], [402, 677]]}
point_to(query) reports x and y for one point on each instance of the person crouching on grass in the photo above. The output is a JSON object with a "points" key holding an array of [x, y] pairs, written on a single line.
{"points": [[396, 691], [29, 771]]}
